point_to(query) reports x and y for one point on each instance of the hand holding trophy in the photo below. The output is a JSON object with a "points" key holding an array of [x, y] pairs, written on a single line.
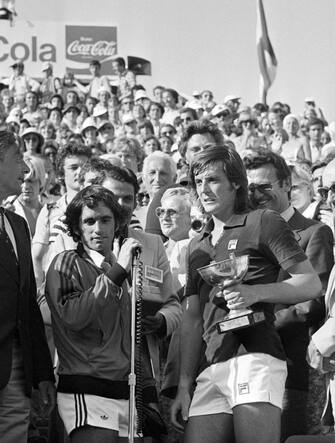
{"points": [[228, 273]]}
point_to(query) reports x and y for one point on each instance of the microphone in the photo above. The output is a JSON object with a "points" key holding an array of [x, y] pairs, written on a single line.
{"points": [[137, 251]]}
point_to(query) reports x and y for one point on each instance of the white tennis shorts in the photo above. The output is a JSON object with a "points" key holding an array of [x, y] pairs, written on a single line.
{"points": [[247, 378]]}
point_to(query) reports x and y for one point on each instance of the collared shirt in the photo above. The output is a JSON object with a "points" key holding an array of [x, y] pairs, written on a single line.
{"points": [[270, 244], [95, 256], [288, 213]]}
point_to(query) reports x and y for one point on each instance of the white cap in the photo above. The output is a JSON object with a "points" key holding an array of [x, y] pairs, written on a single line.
{"points": [[89, 122], [218, 109], [140, 93], [98, 111], [231, 97]]}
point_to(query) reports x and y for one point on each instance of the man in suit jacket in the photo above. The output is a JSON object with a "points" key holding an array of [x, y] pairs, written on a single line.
{"points": [[161, 307], [269, 185], [24, 354]]}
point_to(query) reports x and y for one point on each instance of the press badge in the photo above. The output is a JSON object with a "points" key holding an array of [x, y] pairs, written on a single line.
{"points": [[232, 244], [153, 274]]}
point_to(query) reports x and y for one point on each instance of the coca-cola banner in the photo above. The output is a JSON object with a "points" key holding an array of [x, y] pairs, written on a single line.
{"points": [[67, 47], [85, 43]]}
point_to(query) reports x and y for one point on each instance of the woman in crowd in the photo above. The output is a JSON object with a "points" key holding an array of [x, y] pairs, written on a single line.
{"points": [[33, 142], [28, 204], [296, 148]]}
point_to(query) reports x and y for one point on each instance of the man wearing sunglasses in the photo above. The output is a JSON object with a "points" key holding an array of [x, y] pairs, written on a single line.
{"points": [[269, 187]]}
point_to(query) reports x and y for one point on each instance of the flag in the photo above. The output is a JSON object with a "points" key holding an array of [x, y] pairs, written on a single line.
{"points": [[266, 56]]}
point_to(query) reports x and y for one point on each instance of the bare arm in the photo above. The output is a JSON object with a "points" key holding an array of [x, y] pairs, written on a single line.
{"points": [[38, 253], [303, 284]]}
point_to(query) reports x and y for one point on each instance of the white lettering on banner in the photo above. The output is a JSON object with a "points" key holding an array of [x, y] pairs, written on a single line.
{"points": [[46, 52], [98, 49]]}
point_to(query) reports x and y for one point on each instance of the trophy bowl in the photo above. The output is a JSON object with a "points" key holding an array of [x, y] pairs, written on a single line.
{"points": [[224, 274]]}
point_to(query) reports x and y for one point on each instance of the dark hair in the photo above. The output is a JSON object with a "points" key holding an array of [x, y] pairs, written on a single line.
{"points": [[232, 166], [60, 98], [94, 165], [91, 196], [167, 125], [190, 110], [124, 175], [120, 61], [161, 108], [173, 92], [266, 157], [200, 127], [95, 63], [261, 107], [146, 124], [316, 121], [69, 150], [153, 137], [7, 139]]}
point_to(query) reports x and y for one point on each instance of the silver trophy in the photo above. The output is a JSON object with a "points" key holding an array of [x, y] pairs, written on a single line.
{"points": [[224, 274]]}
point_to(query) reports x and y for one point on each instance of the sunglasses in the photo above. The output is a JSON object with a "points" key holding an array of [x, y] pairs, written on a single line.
{"points": [[223, 115], [262, 187], [245, 122], [324, 190], [161, 212], [142, 195]]}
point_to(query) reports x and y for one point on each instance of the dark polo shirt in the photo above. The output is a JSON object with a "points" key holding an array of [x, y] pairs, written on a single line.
{"points": [[271, 246]]}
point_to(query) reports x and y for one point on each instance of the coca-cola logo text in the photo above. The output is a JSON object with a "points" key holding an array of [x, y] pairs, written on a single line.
{"points": [[101, 48]]}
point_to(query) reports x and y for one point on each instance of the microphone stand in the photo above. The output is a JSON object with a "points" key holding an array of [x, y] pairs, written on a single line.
{"points": [[133, 333]]}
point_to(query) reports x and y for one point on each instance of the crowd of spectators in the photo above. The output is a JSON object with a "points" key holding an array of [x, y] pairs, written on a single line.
{"points": [[69, 133]]}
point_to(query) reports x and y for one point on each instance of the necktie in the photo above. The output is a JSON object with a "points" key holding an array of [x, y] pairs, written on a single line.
{"points": [[3, 234]]}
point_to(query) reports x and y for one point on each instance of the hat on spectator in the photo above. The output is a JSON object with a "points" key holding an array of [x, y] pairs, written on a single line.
{"points": [[309, 100], [104, 89], [139, 94], [70, 106], [220, 109], [98, 111], [88, 123], [194, 104], [13, 119], [196, 93], [231, 98], [32, 130], [17, 64], [105, 123], [46, 66]]}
